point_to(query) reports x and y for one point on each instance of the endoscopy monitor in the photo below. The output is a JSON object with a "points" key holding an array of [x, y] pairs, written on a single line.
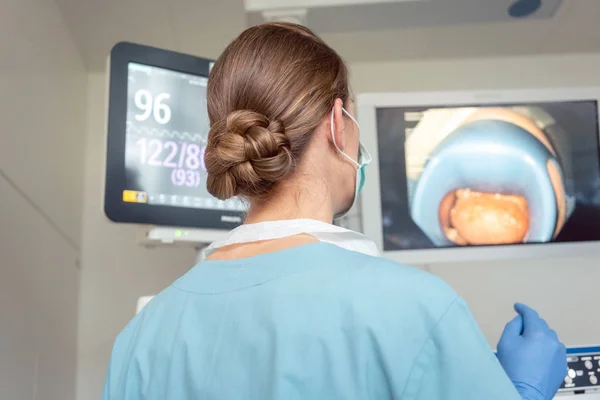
{"points": [[462, 176], [157, 134]]}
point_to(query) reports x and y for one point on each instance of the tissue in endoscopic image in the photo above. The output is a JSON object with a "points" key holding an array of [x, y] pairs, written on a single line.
{"points": [[493, 175]]}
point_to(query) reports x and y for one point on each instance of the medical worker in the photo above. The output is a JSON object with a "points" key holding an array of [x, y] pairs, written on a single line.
{"points": [[289, 306]]}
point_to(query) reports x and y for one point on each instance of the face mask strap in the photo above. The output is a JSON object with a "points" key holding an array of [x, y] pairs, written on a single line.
{"points": [[350, 116], [333, 136]]}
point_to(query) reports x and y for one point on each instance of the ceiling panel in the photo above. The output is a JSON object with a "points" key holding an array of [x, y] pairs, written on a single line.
{"points": [[421, 14], [204, 28]]}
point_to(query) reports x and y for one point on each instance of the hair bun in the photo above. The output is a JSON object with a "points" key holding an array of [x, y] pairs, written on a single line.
{"points": [[246, 155]]}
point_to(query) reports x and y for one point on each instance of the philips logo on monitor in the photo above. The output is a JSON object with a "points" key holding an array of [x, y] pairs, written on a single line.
{"points": [[231, 218]]}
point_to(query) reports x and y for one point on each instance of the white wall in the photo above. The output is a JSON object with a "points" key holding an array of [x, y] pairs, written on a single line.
{"points": [[564, 291], [115, 271], [42, 91]]}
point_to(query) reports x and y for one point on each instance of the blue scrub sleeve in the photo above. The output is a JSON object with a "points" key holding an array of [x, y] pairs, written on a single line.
{"points": [[106, 389], [120, 353], [456, 363]]}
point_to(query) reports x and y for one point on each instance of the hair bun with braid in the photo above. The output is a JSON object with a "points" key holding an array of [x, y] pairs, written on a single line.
{"points": [[272, 76], [246, 155]]}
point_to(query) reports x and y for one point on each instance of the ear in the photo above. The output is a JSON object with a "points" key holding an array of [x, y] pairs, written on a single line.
{"points": [[339, 134]]}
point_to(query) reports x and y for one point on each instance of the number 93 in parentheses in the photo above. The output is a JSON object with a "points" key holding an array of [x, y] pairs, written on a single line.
{"points": [[186, 177]]}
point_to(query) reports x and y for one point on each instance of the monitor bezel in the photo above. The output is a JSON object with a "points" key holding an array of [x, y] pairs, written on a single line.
{"points": [[367, 105], [115, 209]]}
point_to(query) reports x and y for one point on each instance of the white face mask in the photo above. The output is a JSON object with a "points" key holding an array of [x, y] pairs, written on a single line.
{"points": [[364, 159]]}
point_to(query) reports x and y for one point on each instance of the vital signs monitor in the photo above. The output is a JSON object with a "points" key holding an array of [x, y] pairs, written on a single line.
{"points": [[157, 135]]}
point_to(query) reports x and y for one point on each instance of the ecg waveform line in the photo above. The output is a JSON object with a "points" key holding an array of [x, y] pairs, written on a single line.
{"points": [[164, 133]]}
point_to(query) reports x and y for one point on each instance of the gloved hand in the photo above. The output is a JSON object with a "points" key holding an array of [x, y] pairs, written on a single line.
{"points": [[532, 356]]}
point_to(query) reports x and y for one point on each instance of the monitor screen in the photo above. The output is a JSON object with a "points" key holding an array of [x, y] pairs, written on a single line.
{"points": [[167, 127], [485, 175], [156, 139]]}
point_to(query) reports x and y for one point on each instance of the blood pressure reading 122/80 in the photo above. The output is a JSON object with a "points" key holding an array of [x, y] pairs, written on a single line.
{"points": [[167, 127]]}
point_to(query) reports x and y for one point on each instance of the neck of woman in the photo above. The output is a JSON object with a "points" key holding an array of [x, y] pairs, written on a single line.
{"points": [[302, 201]]}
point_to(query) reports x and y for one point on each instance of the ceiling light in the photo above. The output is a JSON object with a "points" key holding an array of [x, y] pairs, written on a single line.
{"points": [[524, 8]]}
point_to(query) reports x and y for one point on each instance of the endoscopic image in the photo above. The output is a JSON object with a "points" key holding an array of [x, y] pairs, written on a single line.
{"points": [[487, 175]]}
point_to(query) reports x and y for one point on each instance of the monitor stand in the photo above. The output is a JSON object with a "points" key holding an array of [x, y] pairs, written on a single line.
{"points": [[157, 236], [162, 236]]}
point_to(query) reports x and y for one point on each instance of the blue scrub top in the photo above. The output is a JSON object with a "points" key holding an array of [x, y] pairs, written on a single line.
{"points": [[310, 322]]}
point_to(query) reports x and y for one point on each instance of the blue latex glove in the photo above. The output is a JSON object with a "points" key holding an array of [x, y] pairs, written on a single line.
{"points": [[532, 356]]}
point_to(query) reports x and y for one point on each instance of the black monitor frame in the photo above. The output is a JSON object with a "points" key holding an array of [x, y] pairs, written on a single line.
{"points": [[115, 208]]}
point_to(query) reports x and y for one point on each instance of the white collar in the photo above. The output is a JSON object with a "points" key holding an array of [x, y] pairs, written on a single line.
{"points": [[322, 231]]}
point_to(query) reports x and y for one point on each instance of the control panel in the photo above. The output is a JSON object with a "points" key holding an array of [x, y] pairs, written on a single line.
{"points": [[583, 376]]}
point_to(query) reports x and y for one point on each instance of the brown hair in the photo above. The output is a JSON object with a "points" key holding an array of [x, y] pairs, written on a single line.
{"points": [[267, 93]]}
